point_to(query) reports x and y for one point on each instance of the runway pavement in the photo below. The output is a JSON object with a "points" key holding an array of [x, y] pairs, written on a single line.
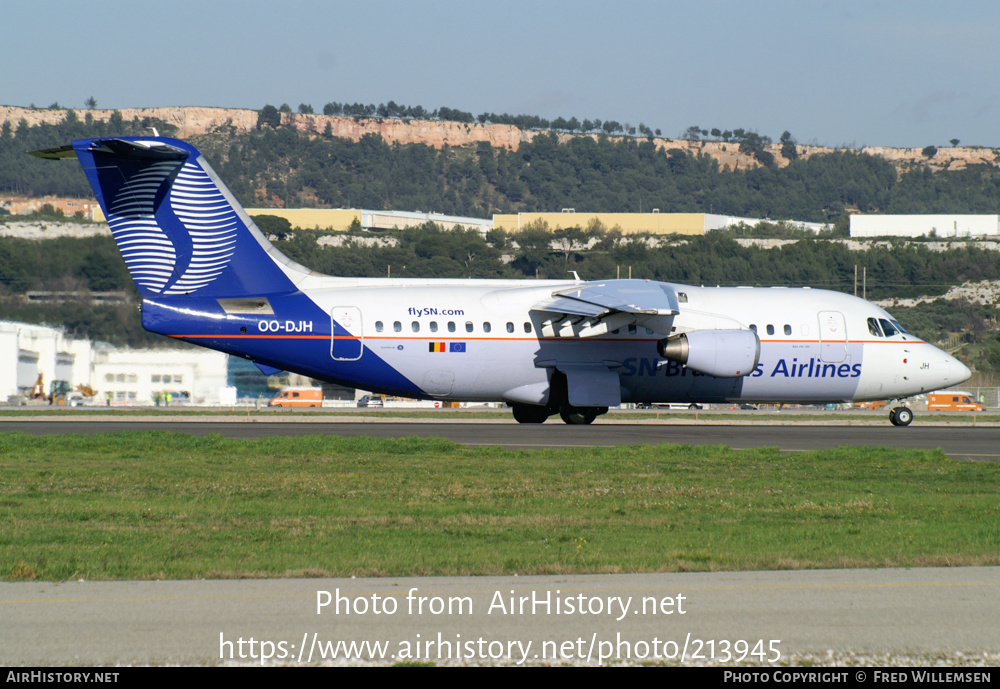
{"points": [[964, 442]]}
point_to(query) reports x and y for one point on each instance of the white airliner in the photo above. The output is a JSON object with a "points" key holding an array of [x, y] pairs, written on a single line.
{"points": [[207, 275]]}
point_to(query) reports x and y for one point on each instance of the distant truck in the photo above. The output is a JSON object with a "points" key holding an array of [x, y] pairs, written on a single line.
{"points": [[953, 400], [298, 397], [373, 401]]}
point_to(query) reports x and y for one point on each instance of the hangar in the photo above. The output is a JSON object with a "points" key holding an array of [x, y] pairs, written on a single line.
{"points": [[121, 376], [941, 226], [635, 223]]}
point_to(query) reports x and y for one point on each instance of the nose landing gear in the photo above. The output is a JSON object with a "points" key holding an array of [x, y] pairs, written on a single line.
{"points": [[901, 416]]}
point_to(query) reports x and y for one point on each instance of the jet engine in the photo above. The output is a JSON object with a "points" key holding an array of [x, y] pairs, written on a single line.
{"points": [[719, 353]]}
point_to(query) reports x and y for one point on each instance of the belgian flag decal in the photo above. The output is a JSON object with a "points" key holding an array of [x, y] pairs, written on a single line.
{"points": [[445, 347]]}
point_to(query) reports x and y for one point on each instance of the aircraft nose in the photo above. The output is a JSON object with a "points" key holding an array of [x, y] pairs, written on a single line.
{"points": [[954, 371]]}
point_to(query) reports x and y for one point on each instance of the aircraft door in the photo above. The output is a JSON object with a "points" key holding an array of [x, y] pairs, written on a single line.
{"points": [[832, 336], [346, 335]]}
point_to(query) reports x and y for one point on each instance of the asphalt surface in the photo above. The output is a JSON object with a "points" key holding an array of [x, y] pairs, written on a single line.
{"points": [[965, 442]]}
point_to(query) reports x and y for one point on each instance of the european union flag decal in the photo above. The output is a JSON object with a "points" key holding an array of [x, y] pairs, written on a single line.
{"points": [[456, 347]]}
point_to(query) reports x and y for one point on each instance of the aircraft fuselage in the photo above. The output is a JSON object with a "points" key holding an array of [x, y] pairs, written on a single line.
{"points": [[481, 340]]}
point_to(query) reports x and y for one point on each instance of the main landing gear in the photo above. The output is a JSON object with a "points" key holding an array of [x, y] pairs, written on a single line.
{"points": [[580, 415], [901, 416], [558, 404], [531, 413]]}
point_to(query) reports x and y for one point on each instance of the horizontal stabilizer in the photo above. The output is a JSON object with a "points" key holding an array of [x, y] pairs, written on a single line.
{"points": [[139, 150], [58, 153]]}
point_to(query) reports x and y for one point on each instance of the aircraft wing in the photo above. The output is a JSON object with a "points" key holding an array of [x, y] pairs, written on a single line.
{"points": [[595, 308]]}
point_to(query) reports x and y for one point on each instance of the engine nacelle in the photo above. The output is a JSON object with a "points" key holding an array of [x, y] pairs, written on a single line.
{"points": [[719, 353]]}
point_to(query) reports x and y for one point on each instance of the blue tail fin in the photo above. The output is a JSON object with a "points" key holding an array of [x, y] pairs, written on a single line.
{"points": [[177, 226]]}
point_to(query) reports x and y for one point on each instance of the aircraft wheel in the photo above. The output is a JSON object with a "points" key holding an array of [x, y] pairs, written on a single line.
{"points": [[578, 415], [903, 416], [529, 413], [892, 416]]}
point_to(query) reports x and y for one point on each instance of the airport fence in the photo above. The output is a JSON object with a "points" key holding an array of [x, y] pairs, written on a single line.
{"points": [[989, 397]]}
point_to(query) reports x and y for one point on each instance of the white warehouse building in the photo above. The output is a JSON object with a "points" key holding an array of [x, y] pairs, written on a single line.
{"points": [[138, 376], [121, 377], [27, 351], [942, 226]]}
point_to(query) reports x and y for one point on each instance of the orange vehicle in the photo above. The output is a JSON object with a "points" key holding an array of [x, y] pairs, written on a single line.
{"points": [[953, 400], [298, 397]]}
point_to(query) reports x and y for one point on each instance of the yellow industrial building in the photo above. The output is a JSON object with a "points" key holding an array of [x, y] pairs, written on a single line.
{"points": [[627, 223], [341, 219], [337, 219]]}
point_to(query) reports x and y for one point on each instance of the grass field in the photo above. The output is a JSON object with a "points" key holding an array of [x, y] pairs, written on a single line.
{"points": [[163, 505]]}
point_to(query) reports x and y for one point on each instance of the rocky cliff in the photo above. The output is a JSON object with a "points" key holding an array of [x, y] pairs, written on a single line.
{"points": [[192, 121]]}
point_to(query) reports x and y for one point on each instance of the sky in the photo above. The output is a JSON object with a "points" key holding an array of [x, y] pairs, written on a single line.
{"points": [[846, 73]]}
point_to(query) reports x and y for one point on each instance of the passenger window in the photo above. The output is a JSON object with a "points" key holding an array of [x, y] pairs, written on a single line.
{"points": [[434, 326], [873, 327], [510, 327], [397, 327], [451, 326], [649, 331], [770, 329], [378, 326], [753, 326], [527, 327], [788, 329], [487, 327], [468, 326], [415, 326], [631, 330]]}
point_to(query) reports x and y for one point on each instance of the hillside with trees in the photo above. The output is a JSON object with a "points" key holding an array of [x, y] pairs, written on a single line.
{"points": [[275, 165], [278, 165]]}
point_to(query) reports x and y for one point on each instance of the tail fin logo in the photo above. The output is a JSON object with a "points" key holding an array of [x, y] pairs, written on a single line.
{"points": [[181, 261]]}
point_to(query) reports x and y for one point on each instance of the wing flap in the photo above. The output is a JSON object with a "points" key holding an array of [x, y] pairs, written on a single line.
{"points": [[591, 385]]}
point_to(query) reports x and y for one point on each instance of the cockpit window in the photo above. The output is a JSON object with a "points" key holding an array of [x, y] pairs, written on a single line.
{"points": [[873, 327], [900, 328], [888, 328]]}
